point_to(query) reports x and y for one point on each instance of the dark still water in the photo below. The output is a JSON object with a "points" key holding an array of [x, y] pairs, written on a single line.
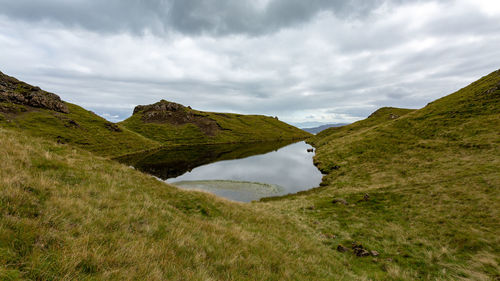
{"points": [[240, 172]]}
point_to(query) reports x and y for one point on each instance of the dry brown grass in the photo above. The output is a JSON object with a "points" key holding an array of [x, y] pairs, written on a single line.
{"points": [[66, 214]]}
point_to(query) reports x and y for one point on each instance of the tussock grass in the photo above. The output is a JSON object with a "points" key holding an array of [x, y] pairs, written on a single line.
{"points": [[432, 209], [67, 214], [432, 176]]}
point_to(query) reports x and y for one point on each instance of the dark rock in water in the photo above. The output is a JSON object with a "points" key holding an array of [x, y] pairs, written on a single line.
{"points": [[340, 200], [342, 249], [15, 91], [310, 150], [176, 114]]}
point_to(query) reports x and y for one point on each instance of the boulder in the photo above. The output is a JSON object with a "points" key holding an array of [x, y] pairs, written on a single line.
{"points": [[342, 249], [359, 250]]}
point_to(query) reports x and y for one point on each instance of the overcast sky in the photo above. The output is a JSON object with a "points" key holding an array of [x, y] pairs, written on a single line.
{"points": [[307, 62]]}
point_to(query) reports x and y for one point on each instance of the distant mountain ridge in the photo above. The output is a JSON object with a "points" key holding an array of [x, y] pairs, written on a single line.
{"points": [[315, 130]]}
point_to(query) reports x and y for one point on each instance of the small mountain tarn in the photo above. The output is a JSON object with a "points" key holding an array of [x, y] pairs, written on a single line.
{"points": [[243, 191], [240, 172], [171, 162]]}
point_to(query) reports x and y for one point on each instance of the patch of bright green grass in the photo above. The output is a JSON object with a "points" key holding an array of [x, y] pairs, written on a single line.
{"points": [[79, 127]]}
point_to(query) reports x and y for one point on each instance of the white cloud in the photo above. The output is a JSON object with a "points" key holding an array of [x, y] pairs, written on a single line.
{"points": [[328, 69]]}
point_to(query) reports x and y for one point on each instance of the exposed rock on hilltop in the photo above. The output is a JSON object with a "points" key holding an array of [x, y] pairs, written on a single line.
{"points": [[161, 106], [176, 114], [171, 124], [28, 109], [15, 91]]}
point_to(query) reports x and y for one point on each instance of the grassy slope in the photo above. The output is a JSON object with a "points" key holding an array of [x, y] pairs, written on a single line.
{"points": [[66, 214], [235, 128], [433, 182], [89, 132], [432, 177]]}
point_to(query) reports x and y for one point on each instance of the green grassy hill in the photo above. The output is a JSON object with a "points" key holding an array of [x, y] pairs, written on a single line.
{"points": [[423, 189], [171, 123], [29, 109], [68, 215], [419, 191], [382, 115]]}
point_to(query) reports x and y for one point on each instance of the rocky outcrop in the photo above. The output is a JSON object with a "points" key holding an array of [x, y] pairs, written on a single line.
{"points": [[176, 114], [157, 109], [112, 127], [15, 91]]}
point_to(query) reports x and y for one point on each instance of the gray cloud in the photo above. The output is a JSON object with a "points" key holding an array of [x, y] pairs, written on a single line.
{"points": [[331, 61], [219, 17]]}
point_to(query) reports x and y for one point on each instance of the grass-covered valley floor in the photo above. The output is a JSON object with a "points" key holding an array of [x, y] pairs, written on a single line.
{"points": [[418, 189]]}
